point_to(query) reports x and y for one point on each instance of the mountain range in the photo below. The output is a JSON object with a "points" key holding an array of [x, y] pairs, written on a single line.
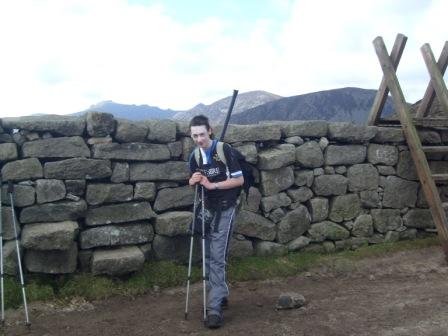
{"points": [[344, 104]]}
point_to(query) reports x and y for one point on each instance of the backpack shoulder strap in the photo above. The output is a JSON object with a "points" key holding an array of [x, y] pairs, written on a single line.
{"points": [[220, 152], [197, 155]]}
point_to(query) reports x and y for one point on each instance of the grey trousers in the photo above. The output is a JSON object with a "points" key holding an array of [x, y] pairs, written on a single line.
{"points": [[216, 249]]}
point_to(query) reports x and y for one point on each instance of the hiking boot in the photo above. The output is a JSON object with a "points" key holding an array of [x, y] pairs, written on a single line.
{"points": [[214, 321], [225, 303]]}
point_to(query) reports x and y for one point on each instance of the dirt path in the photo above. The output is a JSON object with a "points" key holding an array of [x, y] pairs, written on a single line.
{"points": [[402, 294]]}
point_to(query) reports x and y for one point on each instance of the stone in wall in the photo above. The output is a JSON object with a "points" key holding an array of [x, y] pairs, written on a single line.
{"points": [[145, 191], [100, 124], [10, 265], [120, 172], [27, 169], [419, 218], [385, 220], [399, 193], [240, 248], [405, 167], [438, 167], [274, 181], [301, 194], [345, 155], [78, 168], [363, 226], [183, 127], [386, 170], [187, 147], [175, 248], [171, 171], [253, 225], [53, 212], [130, 131], [8, 152], [327, 185], [266, 248], [327, 230], [118, 261], [75, 187], [369, 199], [345, 207], [293, 225], [428, 137], [50, 190], [132, 151], [348, 132], [62, 147], [270, 203], [119, 213], [309, 128], [298, 243], [303, 177], [319, 209], [161, 131], [49, 236], [114, 235], [108, 193], [277, 214], [175, 149], [170, 198], [382, 154], [62, 125], [249, 151], [23, 195], [246, 133], [362, 177], [389, 135], [252, 201], [52, 261], [277, 157], [174, 223], [7, 223], [309, 155]]}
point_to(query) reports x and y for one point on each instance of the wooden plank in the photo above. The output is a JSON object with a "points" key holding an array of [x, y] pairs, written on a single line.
{"points": [[430, 94], [417, 154], [440, 177], [437, 81], [435, 149], [383, 91]]}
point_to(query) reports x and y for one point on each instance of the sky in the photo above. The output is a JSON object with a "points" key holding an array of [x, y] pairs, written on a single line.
{"points": [[62, 56]]}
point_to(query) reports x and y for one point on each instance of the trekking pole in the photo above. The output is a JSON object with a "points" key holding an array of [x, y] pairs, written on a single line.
{"points": [[229, 113], [195, 205], [203, 253], [19, 262], [1, 256]]}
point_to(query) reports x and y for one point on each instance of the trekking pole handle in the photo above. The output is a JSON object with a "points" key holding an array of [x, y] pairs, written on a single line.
{"points": [[229, 113], [10, 186]]}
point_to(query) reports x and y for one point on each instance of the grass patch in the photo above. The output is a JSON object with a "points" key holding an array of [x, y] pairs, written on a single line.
{"points": [[165, 274]]}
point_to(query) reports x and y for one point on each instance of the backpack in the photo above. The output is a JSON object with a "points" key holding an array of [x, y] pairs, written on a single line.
{"points": [[246, 168]]}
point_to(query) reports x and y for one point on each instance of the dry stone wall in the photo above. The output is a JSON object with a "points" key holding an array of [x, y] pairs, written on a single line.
{"points": [[103, 195]]}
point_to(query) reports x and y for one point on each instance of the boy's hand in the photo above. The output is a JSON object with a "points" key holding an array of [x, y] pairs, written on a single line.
{"points": [[195, 178]]}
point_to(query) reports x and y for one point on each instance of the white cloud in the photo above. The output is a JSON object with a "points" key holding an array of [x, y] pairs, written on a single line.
{"points": [[63, 56]]}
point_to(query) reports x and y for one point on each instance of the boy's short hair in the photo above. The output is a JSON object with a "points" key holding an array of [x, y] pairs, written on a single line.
{"points": [[200, 120]]}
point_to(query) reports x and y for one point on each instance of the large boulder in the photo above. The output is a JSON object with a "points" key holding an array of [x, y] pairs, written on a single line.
{"points": [[345, 154], [309, 155], [62, 125], [119, 213], [277, 157], [174, 223], [362, 177], [118, 261], [108, 193], [114, 235], [326, 185], [63, 147], [345, 207], [52, 261], [27, 169], [274, 181], [171, 170], [293, 225], [49, 236], [253, 225], [169, 198], [78, 168], [348, 132], [132, 151], [399, 193], [53, 212]]}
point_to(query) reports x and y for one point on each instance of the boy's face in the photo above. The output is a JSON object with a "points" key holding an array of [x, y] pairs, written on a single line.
{"points": [[201, 136]]}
